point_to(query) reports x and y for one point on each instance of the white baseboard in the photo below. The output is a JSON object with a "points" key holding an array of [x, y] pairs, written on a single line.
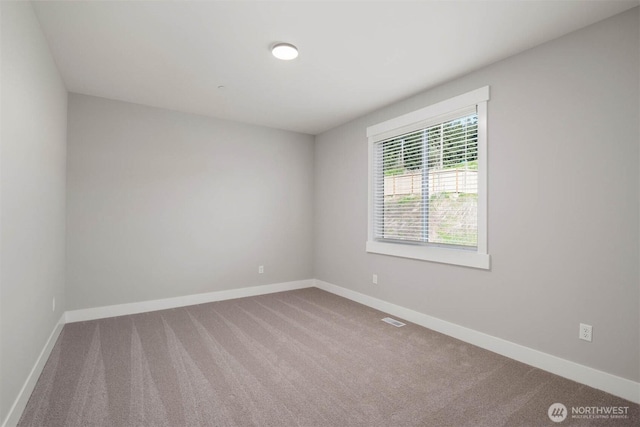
{"points": [[162, 304], [609, 383], [13, 417]]}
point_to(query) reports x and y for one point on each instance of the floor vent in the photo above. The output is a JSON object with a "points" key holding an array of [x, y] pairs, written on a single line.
{"points": [[393, 322]]}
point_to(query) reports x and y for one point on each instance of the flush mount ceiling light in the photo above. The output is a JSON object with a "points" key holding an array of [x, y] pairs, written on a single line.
{"points": [[285, 51]]}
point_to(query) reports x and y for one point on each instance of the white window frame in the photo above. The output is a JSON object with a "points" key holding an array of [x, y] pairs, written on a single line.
{"points": [[478, 258]]}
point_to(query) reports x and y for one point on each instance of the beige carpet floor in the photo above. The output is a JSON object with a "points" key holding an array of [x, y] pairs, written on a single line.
{"points": [[298, 358]]}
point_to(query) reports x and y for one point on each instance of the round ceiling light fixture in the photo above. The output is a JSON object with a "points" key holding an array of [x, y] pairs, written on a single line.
{"points": [[285, 51]]}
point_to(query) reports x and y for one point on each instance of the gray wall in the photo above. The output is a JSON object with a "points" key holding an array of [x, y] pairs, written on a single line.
{"points": [[32, 192], [164, 204], [563, 137]]}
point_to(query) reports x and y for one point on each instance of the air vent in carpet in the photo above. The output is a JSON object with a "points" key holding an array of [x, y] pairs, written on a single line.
{"points": [[393, 322]]}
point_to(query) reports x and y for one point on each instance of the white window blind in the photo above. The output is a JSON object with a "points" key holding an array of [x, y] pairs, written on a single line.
{"points": [[426, 183]]}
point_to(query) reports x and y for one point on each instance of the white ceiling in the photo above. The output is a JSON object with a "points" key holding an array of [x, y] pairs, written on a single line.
{"points": [[355, 56]]}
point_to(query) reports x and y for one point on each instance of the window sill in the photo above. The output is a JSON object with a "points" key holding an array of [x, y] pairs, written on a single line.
{"points": [[430, 253]]}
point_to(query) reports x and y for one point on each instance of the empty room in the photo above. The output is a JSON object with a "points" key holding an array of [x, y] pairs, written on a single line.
{"points": [[332, 213]]}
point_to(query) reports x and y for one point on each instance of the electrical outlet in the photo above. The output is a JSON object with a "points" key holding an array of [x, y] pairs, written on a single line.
{"points": [[586, 332], [375, 279], [53, 304], [261, 269]]}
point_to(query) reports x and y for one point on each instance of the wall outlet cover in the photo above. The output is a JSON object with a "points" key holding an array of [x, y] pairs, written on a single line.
{"points": [[586, 332]]}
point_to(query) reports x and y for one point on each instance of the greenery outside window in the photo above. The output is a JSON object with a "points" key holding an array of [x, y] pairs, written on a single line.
{"points": [[427, 178]]}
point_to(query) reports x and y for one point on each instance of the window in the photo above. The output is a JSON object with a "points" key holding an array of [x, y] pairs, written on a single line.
{"points": [[427, 178]]}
